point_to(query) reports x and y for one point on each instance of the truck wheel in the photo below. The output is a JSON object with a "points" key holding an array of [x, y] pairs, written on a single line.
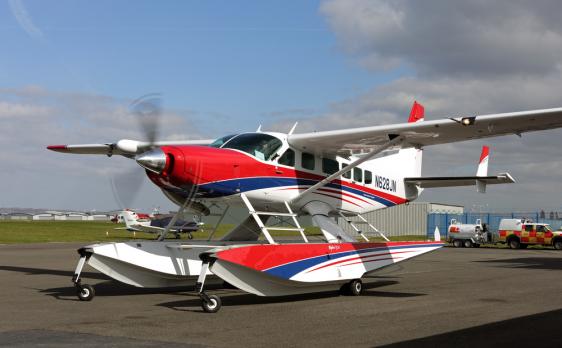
{"points": [[514, 243], [477, 245], [558, 244], [468, 243], [457, 243]]}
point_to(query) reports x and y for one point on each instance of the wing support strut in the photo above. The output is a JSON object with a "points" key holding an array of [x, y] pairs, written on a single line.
{"points": [[393, 140], [172, 222]]}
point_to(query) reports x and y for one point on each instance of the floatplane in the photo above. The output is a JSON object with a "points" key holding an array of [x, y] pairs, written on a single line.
{"points": [[341, 173], [156, 224]]}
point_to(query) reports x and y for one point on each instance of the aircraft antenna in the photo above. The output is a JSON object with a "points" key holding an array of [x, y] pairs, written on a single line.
{"points": [[293, 129]]}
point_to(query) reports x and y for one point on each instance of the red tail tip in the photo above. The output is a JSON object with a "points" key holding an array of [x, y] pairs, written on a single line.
{"points": [[485, 153], [417, 112]]}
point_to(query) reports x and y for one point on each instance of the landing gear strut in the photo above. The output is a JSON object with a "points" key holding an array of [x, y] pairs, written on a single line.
{"points": [[85, 292], [209, 303]]}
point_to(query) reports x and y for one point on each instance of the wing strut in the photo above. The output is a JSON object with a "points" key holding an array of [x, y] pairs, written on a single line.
{"points": [[393, 140], [173, 221]]}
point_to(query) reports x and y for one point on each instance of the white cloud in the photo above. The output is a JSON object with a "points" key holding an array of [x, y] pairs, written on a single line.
{"points": [[33, 117], [450, 37]]}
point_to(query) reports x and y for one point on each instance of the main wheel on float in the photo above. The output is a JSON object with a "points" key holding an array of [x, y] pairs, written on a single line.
{"points": [[353, 288]]}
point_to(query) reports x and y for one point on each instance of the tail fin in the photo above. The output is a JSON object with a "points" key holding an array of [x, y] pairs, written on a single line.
{"points": [[417, 113], [483, 164], [483, 169], [130, 218]]}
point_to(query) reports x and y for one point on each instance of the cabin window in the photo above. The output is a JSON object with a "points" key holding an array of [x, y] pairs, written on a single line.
{"points": [[307, 161], [346, 175], [288, 158], [329, 166], [221, 141], [358, 174], [260, 145], [368, 177]]}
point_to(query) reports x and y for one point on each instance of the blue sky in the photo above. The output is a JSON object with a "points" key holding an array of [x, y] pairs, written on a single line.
{"points": [[241, 59], [69, 69]]}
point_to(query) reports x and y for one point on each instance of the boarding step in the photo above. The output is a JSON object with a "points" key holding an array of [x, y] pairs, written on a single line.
{"points": [[265, 229], [274, 213], [285, 228], [363, 221]]}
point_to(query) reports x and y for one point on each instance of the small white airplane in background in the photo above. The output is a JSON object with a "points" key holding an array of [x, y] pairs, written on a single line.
{"points": [[135, 222], [325, 174]]}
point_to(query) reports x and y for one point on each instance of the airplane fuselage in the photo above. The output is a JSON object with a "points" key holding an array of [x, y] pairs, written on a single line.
{"points": [[278, 176]]}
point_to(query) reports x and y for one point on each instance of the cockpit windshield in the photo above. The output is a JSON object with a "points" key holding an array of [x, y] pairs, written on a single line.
{"points": [[259, 145], [220, 141]]}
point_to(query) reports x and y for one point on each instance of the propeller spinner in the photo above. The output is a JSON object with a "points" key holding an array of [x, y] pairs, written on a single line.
{"points": [[153, 160]]}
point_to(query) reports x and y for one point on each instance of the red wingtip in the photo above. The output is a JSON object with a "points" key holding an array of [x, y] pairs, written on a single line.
{"points": [[56, 147], [485, 153], [417, 112]]}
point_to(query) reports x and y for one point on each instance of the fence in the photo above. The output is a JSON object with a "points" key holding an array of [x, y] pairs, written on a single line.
{"points": [[491, 219]]}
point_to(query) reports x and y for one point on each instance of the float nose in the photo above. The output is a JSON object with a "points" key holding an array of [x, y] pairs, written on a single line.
{"points": [[153, 160]]}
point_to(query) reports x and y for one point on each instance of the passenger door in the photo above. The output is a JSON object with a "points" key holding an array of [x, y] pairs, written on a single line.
{"points": [[540, 234], [527, 234]]}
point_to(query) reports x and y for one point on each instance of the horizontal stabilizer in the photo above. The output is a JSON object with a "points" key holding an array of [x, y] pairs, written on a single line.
{"points": [[452, 181]]}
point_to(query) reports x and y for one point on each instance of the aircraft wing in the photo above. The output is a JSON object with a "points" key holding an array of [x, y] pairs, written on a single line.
{"points": [[150, 229], [122, 147], [429, 182], [359, 140]]}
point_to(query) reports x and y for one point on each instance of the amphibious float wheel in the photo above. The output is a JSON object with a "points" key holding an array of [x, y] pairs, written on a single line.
{"points": [[468, 243], [514, 243], [457, 243], [213, 305], [558, 245], [355, 287], [85, 292]]}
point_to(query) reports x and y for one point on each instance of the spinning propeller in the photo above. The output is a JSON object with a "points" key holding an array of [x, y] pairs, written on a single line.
{"points": [[125, 187]]}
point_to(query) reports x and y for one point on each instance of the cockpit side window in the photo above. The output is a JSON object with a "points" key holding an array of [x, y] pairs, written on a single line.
{"points": [[288, 158], [262, 146], [221, 141]]}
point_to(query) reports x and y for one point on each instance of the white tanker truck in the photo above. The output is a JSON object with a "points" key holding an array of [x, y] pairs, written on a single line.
{"points": [[468, 235]]}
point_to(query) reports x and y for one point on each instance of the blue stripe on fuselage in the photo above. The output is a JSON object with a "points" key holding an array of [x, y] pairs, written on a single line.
{"points": [[234, 186]]}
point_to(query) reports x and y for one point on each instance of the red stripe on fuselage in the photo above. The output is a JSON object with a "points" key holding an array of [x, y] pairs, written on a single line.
{"points": [[201, 165]]}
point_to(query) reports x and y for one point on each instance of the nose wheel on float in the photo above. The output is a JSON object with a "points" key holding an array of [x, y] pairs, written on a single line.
{"points": [[85, 292], [209, 303]]}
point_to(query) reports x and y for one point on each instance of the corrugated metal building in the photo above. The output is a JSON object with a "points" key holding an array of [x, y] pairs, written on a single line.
{"points": [[402, 220]]}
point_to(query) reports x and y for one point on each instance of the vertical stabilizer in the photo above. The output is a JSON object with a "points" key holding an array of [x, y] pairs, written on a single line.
{"points": [[130, 218], [417, 113], [483, 164], [411, 158], [482, 169]]}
